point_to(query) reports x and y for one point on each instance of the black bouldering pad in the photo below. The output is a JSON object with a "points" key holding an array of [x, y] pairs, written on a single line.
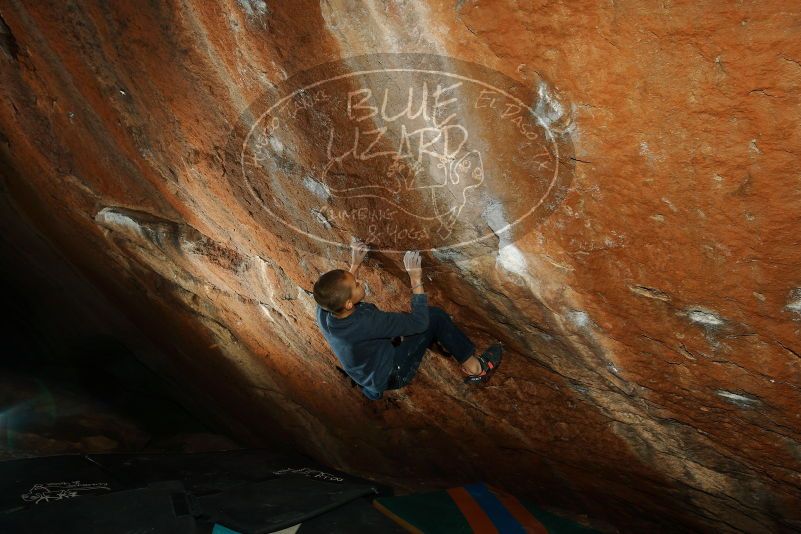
{"points": [[161, 509], [249, 491], [31, 481], [279, 503], [201, 473]]}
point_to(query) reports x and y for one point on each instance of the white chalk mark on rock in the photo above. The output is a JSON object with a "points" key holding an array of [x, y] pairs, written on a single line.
{"points": [[579, 318], [705, 317], [736, 398], [318, 188], [509, 256], [794, 301], [320, 216], [254, 7], [512, 259], [548, 109], [116, 220], [276, 144]]}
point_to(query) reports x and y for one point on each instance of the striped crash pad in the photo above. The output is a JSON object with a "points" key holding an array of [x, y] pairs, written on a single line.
{"points": [[475, 508]]}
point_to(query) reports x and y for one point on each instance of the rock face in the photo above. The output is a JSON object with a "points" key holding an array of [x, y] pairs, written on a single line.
{"points": [[651, 313]]}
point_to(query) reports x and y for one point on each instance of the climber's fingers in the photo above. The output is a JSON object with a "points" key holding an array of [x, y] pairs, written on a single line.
{"points": [[358, 246], [411, 260]]}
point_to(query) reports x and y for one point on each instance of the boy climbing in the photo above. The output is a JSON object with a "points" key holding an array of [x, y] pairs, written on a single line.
{"points": [[382, 350]]}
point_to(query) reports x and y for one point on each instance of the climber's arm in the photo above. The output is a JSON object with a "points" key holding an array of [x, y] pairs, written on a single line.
{"points": [[392, 324]]}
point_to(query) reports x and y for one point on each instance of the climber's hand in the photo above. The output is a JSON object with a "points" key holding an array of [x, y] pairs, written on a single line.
{"points": [[411, 261], [359, 250]]}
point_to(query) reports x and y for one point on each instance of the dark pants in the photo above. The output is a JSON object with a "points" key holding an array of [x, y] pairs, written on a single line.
{"points": [[409, 353]]}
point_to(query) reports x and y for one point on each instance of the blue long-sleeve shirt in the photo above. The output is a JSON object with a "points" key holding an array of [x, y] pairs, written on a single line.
{"points": [[362, 341]]}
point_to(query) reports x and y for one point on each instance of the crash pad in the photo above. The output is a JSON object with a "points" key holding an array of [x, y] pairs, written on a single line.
{"points": [[474, 508], [247, 491]]}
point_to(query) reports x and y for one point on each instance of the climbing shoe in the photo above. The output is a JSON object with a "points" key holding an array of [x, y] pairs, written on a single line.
{"points": [[489, 361]]}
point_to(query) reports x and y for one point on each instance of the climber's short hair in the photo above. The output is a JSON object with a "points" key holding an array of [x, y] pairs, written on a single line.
{"points": [[331, 291]]}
